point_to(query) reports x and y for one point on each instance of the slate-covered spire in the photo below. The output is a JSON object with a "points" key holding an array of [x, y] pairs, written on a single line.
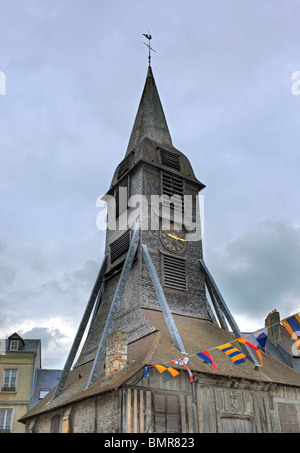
{"points": [[150, 120]]}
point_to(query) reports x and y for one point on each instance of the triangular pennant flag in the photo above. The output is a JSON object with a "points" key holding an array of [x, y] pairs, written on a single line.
{"points": [[204, 355], [184, 362], [146, 371], [236, 356], [292, 325], [261, 338], [244, 341], [167, 373]]}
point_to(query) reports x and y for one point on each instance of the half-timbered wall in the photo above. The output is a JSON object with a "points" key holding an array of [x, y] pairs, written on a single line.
{"points": [[208, 405], [211, 404]]}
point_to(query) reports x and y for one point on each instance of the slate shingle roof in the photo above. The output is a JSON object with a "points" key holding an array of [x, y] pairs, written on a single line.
{"points": [[157, 347]]}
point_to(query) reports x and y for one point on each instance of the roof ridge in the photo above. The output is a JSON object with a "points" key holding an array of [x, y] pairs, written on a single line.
{"points": [[154, 345]]}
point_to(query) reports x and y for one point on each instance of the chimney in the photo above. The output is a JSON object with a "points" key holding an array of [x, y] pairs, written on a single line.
{"points": [[116, 352], [272, 322]]}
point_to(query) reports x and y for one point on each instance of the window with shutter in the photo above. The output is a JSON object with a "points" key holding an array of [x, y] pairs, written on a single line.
{"points": [[166, 413], [174, 273], [288, 418], [169, 159], [119, 246]]}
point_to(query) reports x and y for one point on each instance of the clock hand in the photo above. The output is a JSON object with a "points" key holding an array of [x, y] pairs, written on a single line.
{"points": [[175, 237]]}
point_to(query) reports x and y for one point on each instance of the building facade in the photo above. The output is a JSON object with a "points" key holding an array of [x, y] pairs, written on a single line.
{"points": [[23, 382], [149, 307], [18, 364]]}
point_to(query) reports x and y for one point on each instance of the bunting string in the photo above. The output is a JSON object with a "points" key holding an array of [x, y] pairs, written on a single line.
{"points": [[184, 362], [292, 325], [236, 356], [243, 340]]}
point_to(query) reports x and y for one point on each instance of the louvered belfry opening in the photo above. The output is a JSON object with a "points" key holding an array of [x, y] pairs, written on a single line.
{"points": [[120, 246], [174, 273], [125, 165], [170, 159], [121, 196], [173, 185]]}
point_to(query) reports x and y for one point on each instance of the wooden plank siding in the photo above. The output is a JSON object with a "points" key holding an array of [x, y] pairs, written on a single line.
{"points": [[155, 405], [140, 411]]}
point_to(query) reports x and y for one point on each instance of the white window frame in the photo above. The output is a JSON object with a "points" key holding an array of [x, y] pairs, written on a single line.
{"points": [[10, 375], [14, 345], [8, 415]]}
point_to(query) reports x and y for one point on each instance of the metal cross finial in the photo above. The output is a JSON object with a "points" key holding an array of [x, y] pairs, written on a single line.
{"points": [[149, 37]]}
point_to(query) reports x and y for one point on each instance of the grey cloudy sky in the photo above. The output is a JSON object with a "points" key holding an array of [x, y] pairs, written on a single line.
{"points": [[75, 71]]}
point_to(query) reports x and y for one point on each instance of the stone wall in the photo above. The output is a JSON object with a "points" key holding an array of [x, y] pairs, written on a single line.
{"points": [[98, 414]]}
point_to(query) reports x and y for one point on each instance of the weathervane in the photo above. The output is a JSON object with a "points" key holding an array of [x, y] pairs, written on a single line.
{"points": [[149, 37]]}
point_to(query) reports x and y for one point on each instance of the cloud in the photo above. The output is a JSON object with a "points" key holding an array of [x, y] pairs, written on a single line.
{"points": [[54, 345], [7, 270], [45, 334], [75, 74], [43, 298], [7, 274], [259, 270]]}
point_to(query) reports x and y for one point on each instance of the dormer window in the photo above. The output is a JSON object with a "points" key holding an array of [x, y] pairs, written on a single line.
{"points": [[43, 393], [15, 342], [14, 345]]}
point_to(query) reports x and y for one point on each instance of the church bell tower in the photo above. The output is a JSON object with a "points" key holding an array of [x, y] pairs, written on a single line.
{"points": [[156, 181], [153, 259], [148, 309]]}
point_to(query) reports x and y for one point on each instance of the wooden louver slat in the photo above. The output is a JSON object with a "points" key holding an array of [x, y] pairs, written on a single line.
{"points": [[121, 200], [119, 246], [172, 184], [125, 165], [166, 413], [174, 273], [170, 159]]}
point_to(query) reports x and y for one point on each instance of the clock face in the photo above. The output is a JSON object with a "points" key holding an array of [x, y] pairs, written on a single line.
{"points": [[173, 240]]}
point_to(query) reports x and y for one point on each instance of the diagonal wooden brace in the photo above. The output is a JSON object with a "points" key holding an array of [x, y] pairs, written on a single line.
{"points": [[109, 325], [163, 301], [224, 309], [81, 329]]}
